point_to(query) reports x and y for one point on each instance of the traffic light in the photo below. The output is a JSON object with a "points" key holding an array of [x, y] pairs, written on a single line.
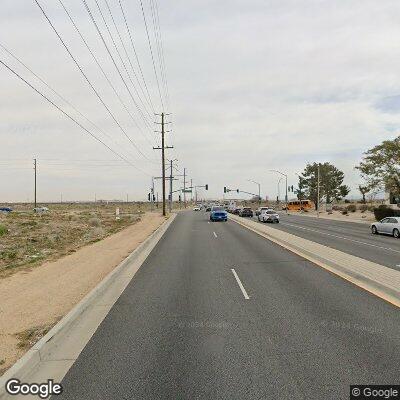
{"points": [[237, 190], [292, 189], [207, 186], [180, 199], [154, 198], [148, 196], [224, 189]]}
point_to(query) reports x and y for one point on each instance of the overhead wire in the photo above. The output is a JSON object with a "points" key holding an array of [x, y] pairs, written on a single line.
{"points": [[127, 55], [113, 60], [102, 69], [71, 118], [11, 54], [88, 80], [152, 55]]}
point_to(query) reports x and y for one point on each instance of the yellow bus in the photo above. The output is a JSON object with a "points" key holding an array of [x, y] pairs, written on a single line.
{"points": [[298, 205]]}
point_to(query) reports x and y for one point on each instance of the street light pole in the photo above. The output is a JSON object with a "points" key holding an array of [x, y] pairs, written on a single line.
{"points": [[286, 195], [259, 190]]}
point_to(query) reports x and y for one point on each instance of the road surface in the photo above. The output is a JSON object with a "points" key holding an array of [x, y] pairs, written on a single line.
{"points": [[218, 312], [351, 237]]}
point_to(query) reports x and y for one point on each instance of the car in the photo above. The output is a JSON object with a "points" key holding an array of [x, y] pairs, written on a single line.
{"points": [[208, 208], [5, 209], [41, 209], [259, 210], [196, 208], [246, 212], [387, 226], [269, 216], [218, 213]]}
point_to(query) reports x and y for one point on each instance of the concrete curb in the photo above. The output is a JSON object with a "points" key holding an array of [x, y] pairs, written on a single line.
{"points": [[51, 342], [377, 279]]}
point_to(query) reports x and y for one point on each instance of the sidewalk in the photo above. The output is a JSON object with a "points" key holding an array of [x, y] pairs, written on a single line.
{"points": [[381, 281]]}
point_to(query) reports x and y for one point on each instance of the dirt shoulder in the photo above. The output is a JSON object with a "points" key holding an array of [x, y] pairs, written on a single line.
{"points": [[33, 301]]}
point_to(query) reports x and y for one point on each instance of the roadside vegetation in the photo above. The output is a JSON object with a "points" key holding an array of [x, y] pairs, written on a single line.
{"points": [[28, 239]]}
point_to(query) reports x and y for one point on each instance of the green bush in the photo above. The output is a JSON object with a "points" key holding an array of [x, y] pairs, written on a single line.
{"points": [[351, 208], [3, 230], [384, 211]]}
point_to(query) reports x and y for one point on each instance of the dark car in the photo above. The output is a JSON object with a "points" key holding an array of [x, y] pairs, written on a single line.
{"points": [[218, 214], [5, 209], [208, 208], [246, 212], [237, 211]]}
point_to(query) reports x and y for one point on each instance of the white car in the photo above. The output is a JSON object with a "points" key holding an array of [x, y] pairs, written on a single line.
{"points": [[269, 216], [196, 208], [387, 226], [261, 209]]}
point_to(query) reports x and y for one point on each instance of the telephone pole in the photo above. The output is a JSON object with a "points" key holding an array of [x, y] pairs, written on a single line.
{"points": [[318, 191], [191, 188], [35, 168], [184, 187], [162, 148]]}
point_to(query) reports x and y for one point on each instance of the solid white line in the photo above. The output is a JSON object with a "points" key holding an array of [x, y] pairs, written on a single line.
{"points": [[215, 234], [246, 296], [341, 237]]}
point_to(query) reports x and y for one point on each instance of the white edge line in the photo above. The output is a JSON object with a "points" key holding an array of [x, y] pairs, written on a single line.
{"points": [[215, 234], [246, 296]]}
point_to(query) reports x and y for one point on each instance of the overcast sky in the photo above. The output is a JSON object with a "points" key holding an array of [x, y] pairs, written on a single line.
{"points": [[253, 86]]}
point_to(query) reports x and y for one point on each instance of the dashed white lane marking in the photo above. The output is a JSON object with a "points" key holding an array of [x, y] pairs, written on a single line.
{"points": [[215, 234], [208, 222], [246, 296], [341, 237]]}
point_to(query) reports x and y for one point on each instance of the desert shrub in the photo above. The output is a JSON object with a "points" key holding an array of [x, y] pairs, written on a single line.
{"points": [[95, 222], [363, 208], [345, 212], [337, 208], [384, 211], [3, 230], [351, 208], [347, 201]]}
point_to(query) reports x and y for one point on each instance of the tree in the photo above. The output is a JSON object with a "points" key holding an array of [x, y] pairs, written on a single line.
{"points": [[330, 183], [380, 166], [364, 189]]}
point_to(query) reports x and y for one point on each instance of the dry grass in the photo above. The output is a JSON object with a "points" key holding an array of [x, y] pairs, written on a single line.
{"points": [[27, 338], [29, 239]]}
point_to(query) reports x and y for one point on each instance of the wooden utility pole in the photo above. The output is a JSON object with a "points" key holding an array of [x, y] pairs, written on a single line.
{"points": [[162, 148], [35, 168]]}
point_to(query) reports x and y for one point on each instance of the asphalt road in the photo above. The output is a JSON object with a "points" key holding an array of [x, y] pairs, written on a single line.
{"points": [[183, 328], [351, 237]]}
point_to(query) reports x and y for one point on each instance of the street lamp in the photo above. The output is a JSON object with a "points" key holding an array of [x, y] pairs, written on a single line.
{"points": [[286, 195], [279, 190], [259, 190]]}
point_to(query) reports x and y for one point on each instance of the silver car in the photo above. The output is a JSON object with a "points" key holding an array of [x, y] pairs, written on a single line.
{"points": [[269, 216], [387, 226]]}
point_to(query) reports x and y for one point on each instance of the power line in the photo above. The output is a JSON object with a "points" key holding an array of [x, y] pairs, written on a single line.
{"points": [[151, 52], [71, 118], [57, 94], [112, 58], [134, 51], [88, 81], [127, 56], [102, 69]]}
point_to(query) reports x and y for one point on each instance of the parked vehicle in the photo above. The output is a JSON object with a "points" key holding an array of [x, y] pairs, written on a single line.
{"points": [[246, 212], [387, 226], [5, 209], [269, 216], [259, 210], [237, 210], [196, 208], [218, 213], [208, 208], [41, 209]]}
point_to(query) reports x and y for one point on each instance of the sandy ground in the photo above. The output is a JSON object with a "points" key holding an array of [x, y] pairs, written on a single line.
{"points": [[33, 301], [365, 218]]}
